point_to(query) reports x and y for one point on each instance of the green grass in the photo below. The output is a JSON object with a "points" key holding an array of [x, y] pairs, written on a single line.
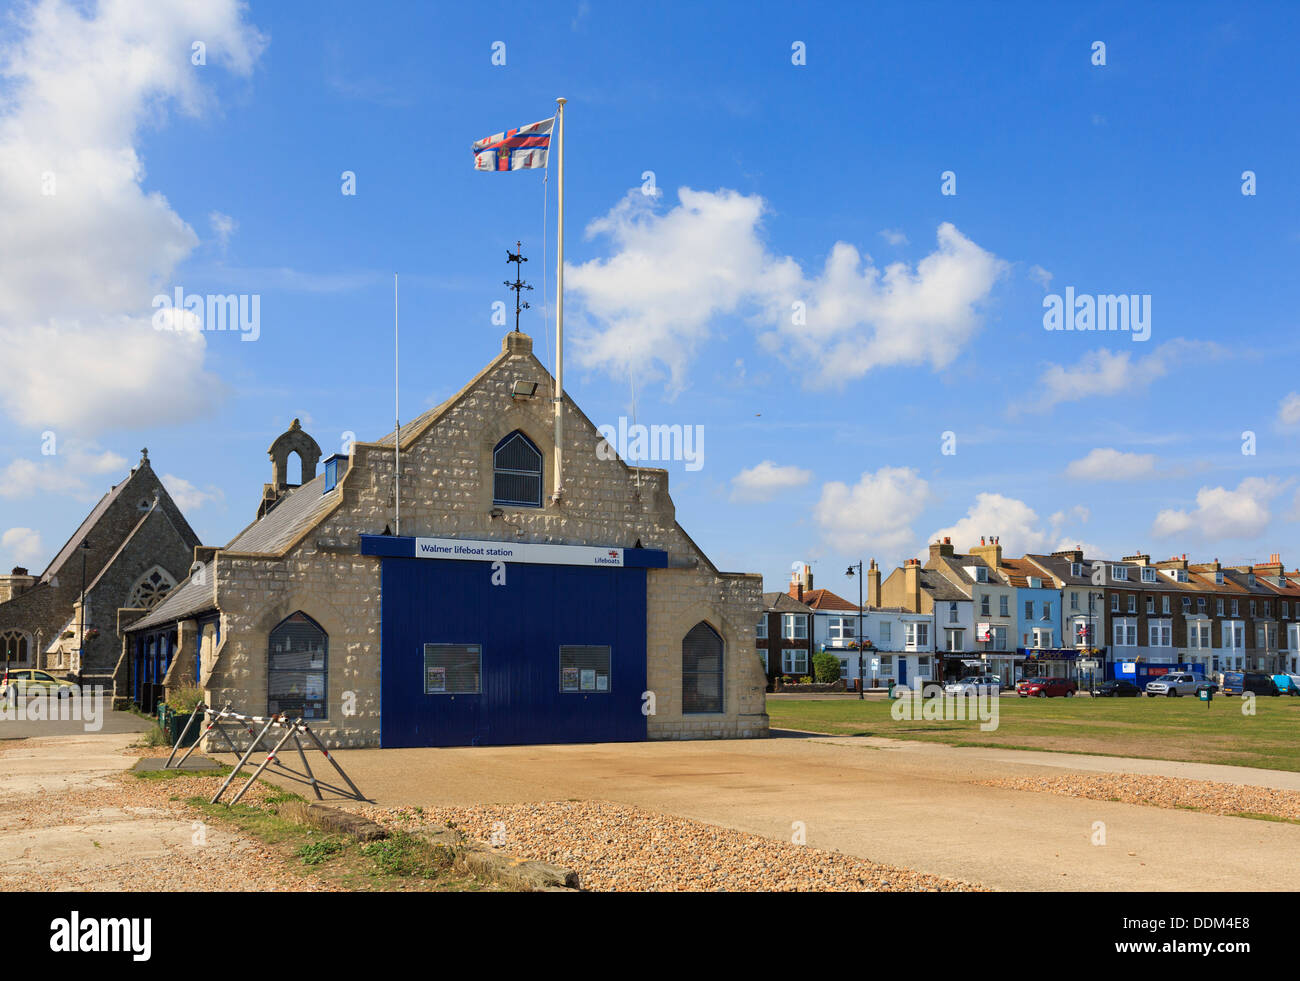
{"points": [[1153, 728], [174, 774], [401, 862]]}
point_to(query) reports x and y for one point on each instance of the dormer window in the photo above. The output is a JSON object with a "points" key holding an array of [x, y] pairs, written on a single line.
{"points": [[1148, 574], [981, 574], [1218, 578], [1119, 572], [1076, 569], [517, 472]]}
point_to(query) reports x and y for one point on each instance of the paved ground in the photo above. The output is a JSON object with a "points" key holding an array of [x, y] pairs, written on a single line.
{"points": [[901, 803], [74, 718]]}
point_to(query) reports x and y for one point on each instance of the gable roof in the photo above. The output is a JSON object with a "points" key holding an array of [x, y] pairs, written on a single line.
{"points": [[824, 599], [83, 530], [295, 514], [783, 603]]}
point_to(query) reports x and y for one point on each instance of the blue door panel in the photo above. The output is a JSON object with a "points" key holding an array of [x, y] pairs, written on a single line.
{"points": [[520, 627]]}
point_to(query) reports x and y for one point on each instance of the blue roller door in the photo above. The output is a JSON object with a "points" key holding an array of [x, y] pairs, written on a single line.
{"points": [[519, 628]]}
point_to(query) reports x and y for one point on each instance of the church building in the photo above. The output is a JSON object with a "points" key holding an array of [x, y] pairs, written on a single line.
{"points": [[473, 601], [128, 554]]}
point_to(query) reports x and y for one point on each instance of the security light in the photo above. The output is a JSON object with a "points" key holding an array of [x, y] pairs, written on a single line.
{"points": [[524, 390]]}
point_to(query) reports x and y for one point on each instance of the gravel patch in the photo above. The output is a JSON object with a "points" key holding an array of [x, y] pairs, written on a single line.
{"points": [[619, 848], [1159, 791]]}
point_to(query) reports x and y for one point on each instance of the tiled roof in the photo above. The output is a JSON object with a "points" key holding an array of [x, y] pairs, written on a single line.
{"points": [[281, 526], [824, 599]]}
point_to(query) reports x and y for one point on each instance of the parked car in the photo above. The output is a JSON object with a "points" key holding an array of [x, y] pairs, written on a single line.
{"points": [[1173, 684], [1118, 688], [974, 685], [1022, 686], [34, 682], [1287, 684], [1050, 688], [1240, 682]]}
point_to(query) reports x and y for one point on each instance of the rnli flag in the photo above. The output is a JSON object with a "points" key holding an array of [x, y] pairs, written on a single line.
{"points": [[516, 149]]}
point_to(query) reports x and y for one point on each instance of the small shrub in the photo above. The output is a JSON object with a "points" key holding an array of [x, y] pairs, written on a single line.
{"points": [[406, 855], [826, 667], [185, 699], [156, 737], [316, 852]]}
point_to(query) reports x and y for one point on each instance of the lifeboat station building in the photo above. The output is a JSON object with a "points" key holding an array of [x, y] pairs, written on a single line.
{"points": [[499, 610]]}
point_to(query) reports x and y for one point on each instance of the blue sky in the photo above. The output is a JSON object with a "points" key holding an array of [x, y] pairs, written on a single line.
{"points": [[822, 439]]}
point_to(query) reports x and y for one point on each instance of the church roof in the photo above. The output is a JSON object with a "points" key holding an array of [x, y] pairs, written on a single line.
{"points": [[84, 529], [190, 597]]}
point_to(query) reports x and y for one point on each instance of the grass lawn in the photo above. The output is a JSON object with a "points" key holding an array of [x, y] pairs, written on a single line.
{"points": [[1155, 728]]}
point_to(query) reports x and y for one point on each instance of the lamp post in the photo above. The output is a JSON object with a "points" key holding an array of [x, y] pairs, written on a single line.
{"points": [[83, 548], [861, 680]]}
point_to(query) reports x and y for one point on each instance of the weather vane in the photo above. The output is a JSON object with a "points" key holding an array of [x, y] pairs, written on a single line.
{"points": [[518, 285]]}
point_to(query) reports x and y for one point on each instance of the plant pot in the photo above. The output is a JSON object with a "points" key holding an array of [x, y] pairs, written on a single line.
{"points": [[175, 725]]}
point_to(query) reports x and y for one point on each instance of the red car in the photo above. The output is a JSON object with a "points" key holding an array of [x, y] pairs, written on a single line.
{"points": [[1024, 683], [1049, 688]]}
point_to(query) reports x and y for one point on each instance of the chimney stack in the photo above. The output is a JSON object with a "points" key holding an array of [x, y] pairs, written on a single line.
{"points": [[801, 581], [873, 585]]}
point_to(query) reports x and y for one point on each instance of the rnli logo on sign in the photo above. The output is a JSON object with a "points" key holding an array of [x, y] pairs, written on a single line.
{"points": [[613, 554]]}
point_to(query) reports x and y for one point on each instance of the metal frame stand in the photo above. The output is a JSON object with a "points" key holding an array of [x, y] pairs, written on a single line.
{"points": [[294, 730]]}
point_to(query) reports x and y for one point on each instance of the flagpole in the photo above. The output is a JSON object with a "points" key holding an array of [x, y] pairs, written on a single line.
{"points": [[397, 426], [559, 306]]}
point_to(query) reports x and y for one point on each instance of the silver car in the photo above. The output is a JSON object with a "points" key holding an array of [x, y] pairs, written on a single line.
{"points": [[1173, 685], [987, 684]]}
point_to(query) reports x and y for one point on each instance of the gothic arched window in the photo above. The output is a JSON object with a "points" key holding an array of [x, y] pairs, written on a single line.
{"points": [[297, 668], [517, 472], [15, 647], [150, 589], [701, 670]]}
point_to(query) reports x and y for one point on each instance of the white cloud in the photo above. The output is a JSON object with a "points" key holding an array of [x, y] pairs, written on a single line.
{"points": [[85, 246], [20, 546], [672, 274], [1221, 513], [1104, 463], [894, 236], [876, 512], [188, 497], [766, 480], [1288, 411], [1102, 371], [1013, 522], [223, 226], [1040, 276], [64, 472]]}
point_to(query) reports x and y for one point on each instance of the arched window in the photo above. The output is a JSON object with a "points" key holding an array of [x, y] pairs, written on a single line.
{"points": [[150, 589], [701, 670], [297, 668], [15, 647], [517, 472]]}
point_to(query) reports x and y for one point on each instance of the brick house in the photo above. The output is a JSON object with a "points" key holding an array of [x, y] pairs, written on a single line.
{"points": [[784, 637]]}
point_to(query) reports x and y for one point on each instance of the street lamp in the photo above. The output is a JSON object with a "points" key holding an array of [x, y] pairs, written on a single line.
{"points": [[861, 679]]}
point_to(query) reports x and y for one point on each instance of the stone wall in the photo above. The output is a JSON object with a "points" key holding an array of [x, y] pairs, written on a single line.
{"points": [[446, 470]]}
